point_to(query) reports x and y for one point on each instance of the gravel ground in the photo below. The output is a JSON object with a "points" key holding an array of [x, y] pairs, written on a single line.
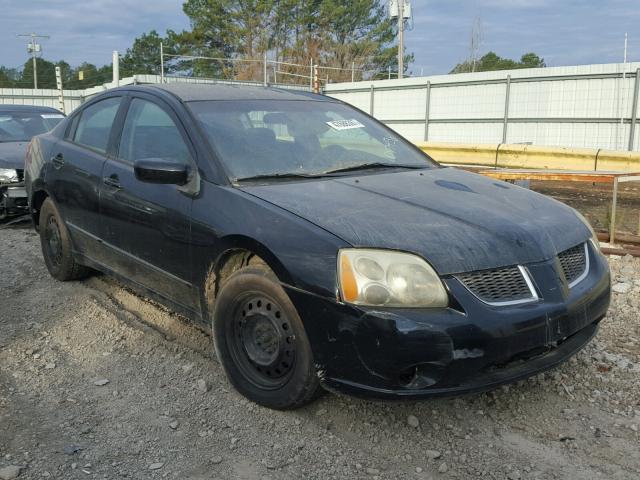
{"points": [[96, 382]]}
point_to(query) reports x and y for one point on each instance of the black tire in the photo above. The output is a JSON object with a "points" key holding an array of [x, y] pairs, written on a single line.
{"points": [[56, 245], [261, 342]]}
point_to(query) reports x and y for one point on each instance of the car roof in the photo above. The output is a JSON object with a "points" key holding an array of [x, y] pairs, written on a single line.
{"points": [[27, 108], [194, 92]]}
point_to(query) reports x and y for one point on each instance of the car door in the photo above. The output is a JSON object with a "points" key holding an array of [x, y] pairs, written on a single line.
{"points": [[146, 225], [74, 174]]}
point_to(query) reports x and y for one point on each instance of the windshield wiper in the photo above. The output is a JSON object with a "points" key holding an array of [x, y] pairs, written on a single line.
{"points": [[327, 173], [278, 176], [369, 166]]}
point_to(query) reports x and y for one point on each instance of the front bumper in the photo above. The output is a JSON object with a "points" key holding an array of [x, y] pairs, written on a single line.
{"points": [[413, 353], [13, 200]]}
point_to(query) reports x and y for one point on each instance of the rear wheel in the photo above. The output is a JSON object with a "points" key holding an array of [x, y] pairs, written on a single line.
{"points": [[56, 245], [261, 342]]}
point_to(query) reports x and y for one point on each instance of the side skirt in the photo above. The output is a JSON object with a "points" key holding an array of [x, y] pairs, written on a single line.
{"points": [[178, 308]]}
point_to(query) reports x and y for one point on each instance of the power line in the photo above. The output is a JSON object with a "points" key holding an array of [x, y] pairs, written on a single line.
{"points": [[274, 62]]}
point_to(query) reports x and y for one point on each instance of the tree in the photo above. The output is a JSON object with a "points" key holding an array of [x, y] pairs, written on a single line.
{"points": [[531, 60], [360, 33], [333, 33], [491, 61], [227, 29], [46, 74], [91, 75], [85, 75], [144, 56], [5, 82], [8, 77]]}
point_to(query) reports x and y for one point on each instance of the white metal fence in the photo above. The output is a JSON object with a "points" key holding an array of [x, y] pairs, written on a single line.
{"points": [[41, 97], [74, 98], [590, 106]]}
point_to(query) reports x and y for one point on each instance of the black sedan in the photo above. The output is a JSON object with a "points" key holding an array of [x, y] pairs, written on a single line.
{"points": [[321, 248], [18, 124]]}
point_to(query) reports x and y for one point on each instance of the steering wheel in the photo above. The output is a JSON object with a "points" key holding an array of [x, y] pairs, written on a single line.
{"points": [[328, 156]]}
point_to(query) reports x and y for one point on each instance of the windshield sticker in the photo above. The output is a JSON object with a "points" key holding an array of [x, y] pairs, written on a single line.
{"points": [[345, 124], [52, 115], [390, 143]]}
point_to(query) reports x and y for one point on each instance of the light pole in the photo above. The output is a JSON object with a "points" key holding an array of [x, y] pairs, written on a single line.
{"points": [[34, 48]]}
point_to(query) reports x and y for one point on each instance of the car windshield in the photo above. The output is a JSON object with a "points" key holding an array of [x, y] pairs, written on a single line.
{"points": [[275, 138], [21, 126]]}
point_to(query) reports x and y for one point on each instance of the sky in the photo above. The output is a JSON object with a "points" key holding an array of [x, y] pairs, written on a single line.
{"points": [[563, 32]]}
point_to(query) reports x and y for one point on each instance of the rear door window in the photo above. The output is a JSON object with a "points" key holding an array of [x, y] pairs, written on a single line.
{"points": [[94, 126]]}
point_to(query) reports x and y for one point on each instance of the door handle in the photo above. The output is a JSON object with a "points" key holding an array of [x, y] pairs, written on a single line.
{"points": [[112, 181], [58, 160]]}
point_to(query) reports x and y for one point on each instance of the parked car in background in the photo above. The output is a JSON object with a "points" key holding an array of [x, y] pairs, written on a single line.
{"points": [[321, 247], [18, 124]]}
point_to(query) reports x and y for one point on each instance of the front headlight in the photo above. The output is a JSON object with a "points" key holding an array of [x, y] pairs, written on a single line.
{"points": [[594, 236], [388, 278], [8, 175]]}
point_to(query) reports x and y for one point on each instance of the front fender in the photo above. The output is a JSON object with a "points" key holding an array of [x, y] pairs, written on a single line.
{"points": [[301, 254]]}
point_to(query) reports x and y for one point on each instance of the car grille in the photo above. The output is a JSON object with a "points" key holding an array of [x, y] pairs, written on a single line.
{"points": [[574, 263], [500, 286]]}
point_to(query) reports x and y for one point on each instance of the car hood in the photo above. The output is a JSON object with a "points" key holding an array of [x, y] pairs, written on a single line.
{"points": [[12, 154], [458, 221]]}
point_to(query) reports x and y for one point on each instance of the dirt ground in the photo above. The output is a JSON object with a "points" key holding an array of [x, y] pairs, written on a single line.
{"points": [[96, 382], [594, 201]]}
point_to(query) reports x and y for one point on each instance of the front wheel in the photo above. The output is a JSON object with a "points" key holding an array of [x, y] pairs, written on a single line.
{"points": [[261, 342]]}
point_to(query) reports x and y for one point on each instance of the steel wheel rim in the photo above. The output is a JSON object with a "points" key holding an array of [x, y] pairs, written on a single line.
{"points": [[53, 241], [262, 341]]}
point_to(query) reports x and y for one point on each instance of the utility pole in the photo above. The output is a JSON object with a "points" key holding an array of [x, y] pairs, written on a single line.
{"points": [[34, 48], [400, 38], [400, 10], [476, 41]]}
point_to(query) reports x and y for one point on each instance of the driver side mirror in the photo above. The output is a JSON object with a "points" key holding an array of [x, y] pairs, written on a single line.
{"points": [[158, 170]]}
